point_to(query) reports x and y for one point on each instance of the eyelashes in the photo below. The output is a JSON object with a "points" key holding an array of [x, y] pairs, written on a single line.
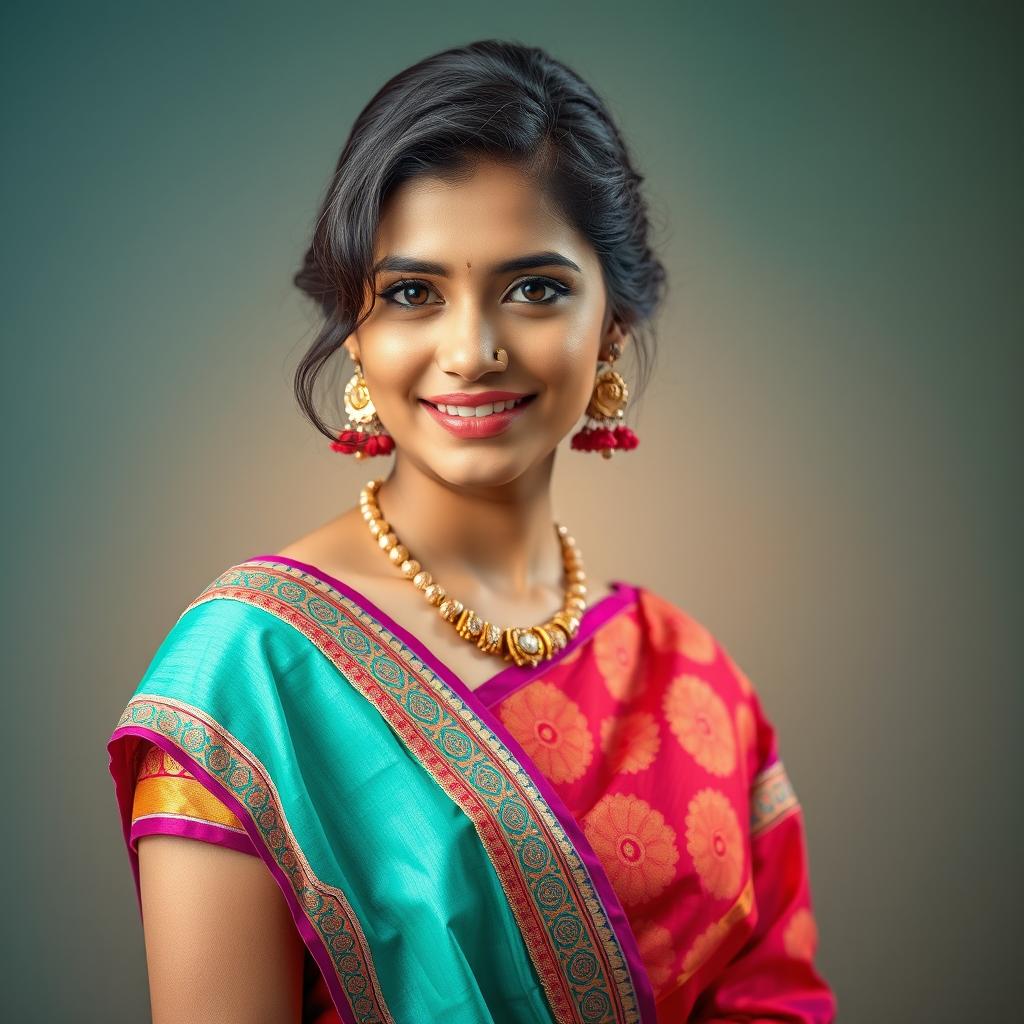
{"points": [[558, 289]]}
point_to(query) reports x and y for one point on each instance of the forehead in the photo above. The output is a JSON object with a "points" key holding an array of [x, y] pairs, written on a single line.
{"points": [[496, 211]]}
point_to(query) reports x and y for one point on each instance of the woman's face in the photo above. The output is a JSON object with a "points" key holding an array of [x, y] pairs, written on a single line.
{"points": [[444, 303]]}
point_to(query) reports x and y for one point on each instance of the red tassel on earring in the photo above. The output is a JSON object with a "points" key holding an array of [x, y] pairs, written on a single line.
{"points": [[604, 439], [625, 438], [362, 444]]}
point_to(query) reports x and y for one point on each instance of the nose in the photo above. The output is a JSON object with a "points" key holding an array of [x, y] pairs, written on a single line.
{"points": [[468, 343]]}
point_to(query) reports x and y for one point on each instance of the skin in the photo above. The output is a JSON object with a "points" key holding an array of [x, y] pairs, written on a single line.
{"points": [[477, 513], [220, 942]]}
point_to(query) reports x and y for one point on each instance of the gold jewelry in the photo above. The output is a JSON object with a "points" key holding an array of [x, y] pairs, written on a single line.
{"points": [[603, 432], [364, 434], [359, 406], [501, 355], [610, 394], [525, 645]]}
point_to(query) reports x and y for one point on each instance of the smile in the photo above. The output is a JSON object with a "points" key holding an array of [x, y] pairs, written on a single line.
{"points": [[479, 410], [474, 421]]}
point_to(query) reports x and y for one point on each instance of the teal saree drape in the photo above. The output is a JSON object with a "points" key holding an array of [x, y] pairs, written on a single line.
{"points": [[431, 874]]}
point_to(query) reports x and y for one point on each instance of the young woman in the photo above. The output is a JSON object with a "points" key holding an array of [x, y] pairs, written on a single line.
{"points": [[435, 771]]}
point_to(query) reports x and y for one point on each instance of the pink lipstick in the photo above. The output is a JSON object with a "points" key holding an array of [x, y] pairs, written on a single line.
{"points": [[477, 415]]}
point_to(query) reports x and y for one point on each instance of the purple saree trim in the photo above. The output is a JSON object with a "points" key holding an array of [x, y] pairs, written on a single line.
{"points": [[622, 597], [504, 682], [314, 942], [191, 828]]}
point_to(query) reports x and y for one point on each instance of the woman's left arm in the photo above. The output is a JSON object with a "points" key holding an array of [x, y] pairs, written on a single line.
{"points": [[773, 976]]}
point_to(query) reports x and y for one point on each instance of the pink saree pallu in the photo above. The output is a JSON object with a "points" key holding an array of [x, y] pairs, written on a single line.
{"points": [[609, 836]]}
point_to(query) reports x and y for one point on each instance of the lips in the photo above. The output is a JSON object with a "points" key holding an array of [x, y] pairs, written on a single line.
{"points": [[489, 423]]}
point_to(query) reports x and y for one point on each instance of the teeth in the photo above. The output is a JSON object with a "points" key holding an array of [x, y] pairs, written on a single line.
{"points": [[479, 410]]}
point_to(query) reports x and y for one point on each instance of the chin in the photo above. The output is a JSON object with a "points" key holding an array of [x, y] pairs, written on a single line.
{"points": [[481, 468]]}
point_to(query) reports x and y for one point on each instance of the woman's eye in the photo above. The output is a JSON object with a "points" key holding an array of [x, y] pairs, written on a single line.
{"points": [[534, 288], [408, 293], [536, 291]]}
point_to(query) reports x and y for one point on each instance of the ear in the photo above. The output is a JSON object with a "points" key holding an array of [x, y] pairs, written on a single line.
{"points": [[614, 334], [351, 346]]}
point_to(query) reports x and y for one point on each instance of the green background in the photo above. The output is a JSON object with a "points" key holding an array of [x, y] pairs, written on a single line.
{"points": [[826, 474]]}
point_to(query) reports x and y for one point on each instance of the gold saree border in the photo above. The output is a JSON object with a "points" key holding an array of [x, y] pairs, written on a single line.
{"points": [[204, 742], [155, 795], [772, 798], [715, 935], [556, 905]]}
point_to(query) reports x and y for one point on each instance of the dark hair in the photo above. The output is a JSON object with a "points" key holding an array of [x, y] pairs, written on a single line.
{"points": [[489, 99]]}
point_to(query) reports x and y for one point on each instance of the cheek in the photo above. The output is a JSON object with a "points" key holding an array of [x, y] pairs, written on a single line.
{"points": [[392, 366], [562, 354]]}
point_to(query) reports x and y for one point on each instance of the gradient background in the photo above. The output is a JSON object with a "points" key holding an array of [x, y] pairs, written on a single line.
{"points": [[826, 477]]}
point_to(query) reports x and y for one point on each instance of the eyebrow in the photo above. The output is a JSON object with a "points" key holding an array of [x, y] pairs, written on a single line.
{"points": [[413, 265]]}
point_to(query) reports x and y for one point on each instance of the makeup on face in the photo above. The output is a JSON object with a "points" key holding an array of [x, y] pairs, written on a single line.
{"points": [[459, 270]]}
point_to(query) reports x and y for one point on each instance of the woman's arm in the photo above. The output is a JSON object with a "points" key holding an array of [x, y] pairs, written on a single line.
{"points": [[221, 945], [774, 977]]}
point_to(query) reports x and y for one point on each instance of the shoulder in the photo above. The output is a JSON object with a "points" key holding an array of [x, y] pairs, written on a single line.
{"points": [[232, 641], [677, 632], [226, 669], [342, 546], [701, 675]]}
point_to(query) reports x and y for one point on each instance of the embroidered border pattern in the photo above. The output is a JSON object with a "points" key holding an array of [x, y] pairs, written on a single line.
{"points": [[549, 889], [227, 759], [771, 798]]}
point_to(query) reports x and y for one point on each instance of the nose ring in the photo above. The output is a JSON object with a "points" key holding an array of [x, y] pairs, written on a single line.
{"points": [[502, 356]]}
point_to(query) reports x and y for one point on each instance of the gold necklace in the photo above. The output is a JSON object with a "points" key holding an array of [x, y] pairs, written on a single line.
{"points": [[525, 645]]}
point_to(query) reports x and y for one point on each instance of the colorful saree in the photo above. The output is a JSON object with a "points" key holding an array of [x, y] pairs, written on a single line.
{"points": [[607, 837]]}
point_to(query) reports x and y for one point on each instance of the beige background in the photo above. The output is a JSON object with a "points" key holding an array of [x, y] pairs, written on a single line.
{"points": [[826, 474]]}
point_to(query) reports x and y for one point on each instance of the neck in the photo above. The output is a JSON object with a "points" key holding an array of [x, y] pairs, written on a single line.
{"points": [[498, 538]]}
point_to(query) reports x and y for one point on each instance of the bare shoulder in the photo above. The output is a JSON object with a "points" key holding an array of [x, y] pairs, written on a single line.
{"points": [[338, 546], [220, 940]]}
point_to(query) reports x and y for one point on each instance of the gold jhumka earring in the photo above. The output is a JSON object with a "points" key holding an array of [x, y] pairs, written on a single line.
{"points": [[364, 434], [602, 432]]}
